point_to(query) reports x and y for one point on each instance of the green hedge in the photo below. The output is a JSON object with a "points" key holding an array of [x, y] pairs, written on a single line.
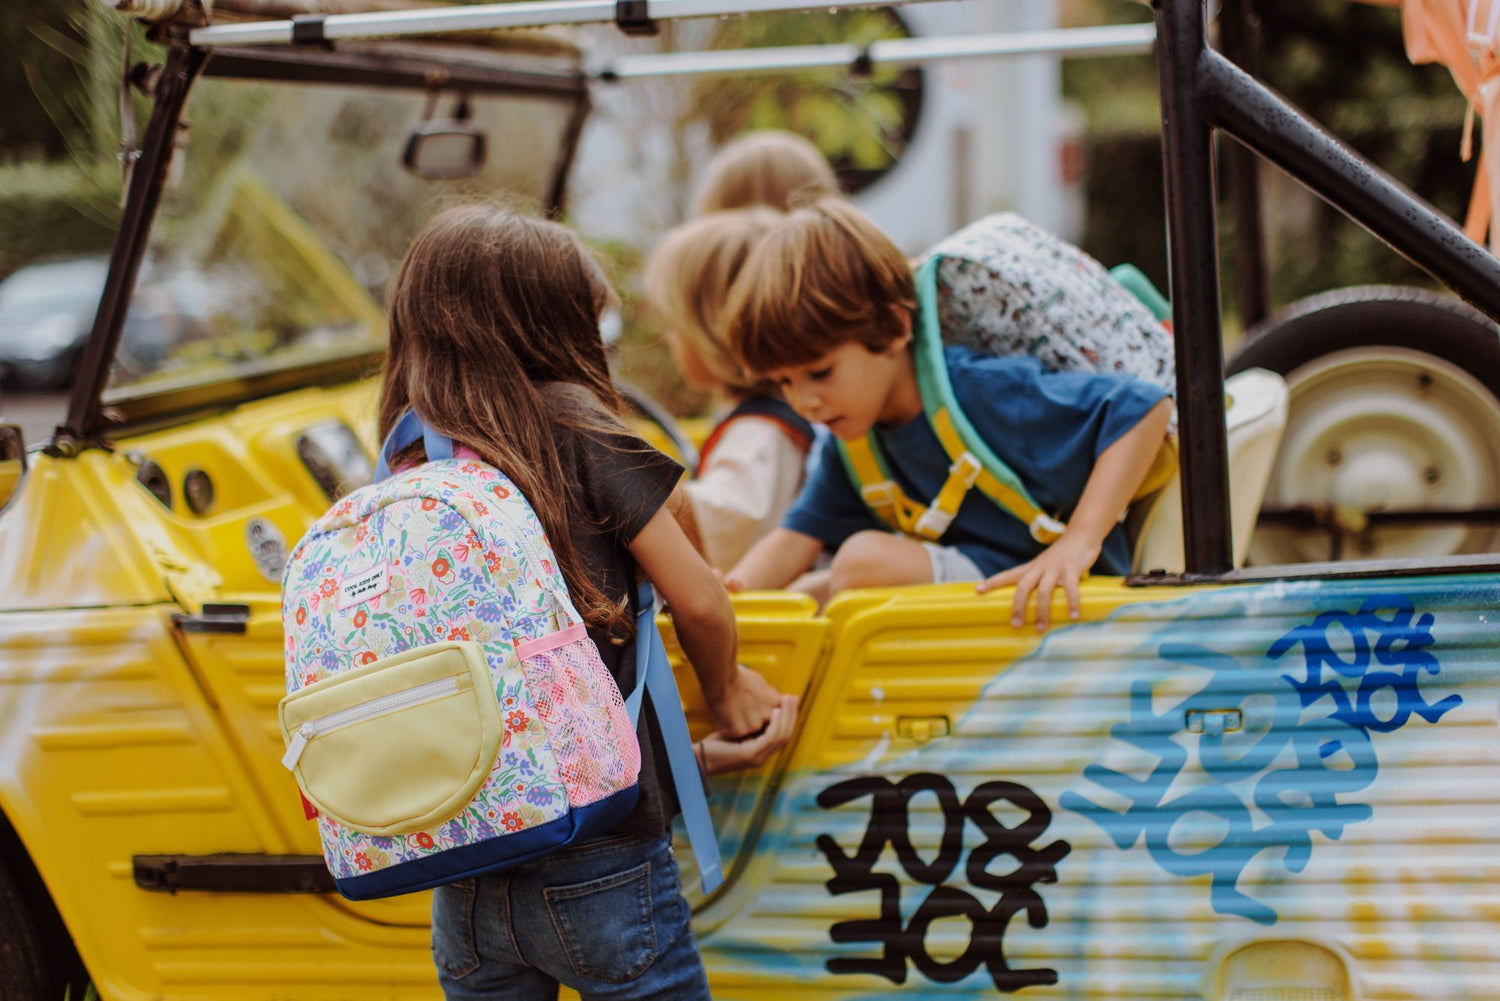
{"points": [[51, 208]]}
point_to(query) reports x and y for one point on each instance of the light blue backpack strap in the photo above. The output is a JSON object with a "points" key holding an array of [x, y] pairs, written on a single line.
{"points": [[407, 430], [654, 673]]}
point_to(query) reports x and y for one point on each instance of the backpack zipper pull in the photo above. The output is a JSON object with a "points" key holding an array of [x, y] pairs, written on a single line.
{"points": [[294, 749]]}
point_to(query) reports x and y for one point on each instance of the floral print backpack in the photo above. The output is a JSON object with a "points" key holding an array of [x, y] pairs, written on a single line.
{"points": [[447, 713]]}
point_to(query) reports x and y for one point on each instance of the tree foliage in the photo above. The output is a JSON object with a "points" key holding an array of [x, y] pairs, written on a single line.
{"points": [[861, 121]]}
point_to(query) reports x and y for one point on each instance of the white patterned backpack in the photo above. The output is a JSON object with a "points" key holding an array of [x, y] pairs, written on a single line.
{"points": [[447, 713]]}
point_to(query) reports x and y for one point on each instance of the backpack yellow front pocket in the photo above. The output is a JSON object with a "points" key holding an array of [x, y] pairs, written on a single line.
{"points": [[398, 745]]}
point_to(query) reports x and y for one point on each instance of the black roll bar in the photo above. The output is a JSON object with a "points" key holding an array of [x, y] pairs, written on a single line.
{"points": [[1202, 90], [1238, 32], [1254, 114], [147, 178], [1193, 266]]}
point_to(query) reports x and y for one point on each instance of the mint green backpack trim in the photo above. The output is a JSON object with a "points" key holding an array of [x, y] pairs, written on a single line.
{"points": [[1137, 284], [936, 388], [850, 471]]}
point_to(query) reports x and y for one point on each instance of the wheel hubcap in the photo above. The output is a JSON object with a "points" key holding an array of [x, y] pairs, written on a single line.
{"points": [[1382, 429]]}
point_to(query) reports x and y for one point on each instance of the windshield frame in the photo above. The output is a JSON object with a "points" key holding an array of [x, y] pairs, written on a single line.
{"points": [[92, 412]]}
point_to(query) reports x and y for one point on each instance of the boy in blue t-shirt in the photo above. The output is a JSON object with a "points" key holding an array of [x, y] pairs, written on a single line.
{"points": [[824, 306]]}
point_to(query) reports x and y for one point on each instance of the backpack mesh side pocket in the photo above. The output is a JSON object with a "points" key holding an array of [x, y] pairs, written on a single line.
{"points": [[589, 730]]}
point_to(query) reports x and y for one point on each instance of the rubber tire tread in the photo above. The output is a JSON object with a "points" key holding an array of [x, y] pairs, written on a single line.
{"points": [[24, 973], [1375, 315]]}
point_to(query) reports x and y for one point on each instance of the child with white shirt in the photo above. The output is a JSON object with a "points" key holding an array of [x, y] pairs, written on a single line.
{"points": [[751, 465]]}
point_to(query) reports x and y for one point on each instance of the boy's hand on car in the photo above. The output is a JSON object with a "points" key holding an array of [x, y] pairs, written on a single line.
{"points": [[1117, 472], [720, 754], [1065, 562], [744, 704]]}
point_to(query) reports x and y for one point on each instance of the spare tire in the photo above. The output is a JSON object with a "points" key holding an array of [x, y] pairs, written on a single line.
{"points": [[1394, 404]]}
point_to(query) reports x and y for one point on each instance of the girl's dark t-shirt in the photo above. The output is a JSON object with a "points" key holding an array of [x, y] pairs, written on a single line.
{"points": [[617, 483]]}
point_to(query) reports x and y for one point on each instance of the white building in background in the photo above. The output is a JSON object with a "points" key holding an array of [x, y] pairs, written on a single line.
{"points": [[993, 136], [993, 133]]}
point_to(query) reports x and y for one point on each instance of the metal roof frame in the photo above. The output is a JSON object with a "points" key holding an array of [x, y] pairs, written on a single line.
{"points": [[1202, 91], [632, 15], [1108, 40], [407, 70]]}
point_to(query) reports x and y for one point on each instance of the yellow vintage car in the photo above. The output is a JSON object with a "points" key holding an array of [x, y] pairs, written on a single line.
{"points": [[1277, 784]]}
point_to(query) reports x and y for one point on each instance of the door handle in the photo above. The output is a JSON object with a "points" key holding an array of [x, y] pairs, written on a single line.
{"points": [[1213, 722], [215, 618]]}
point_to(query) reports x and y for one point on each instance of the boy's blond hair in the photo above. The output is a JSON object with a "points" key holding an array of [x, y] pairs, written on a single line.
{"points": [[823, 276], [688, 277], [766, 167]]}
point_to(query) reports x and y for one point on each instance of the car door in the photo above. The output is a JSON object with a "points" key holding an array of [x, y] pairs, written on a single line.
{"points": [[1223, 792]]}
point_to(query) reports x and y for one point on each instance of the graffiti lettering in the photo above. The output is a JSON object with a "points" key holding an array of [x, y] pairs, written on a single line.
{"points": [[1293, 772], [889, 822], [1399, 643]]}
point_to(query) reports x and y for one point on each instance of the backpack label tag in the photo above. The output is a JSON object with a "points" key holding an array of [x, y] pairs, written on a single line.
{"points": [[363, 587]]}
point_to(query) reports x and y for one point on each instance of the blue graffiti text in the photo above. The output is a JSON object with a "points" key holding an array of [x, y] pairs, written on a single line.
{"points": [[1305, 742]]}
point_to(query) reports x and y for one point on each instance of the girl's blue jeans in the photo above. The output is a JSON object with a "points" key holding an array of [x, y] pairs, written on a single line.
{"points": [[606, 918]]}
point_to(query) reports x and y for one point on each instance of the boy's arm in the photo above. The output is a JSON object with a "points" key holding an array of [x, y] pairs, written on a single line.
{"points": [[775, 561], [1116, 475]]}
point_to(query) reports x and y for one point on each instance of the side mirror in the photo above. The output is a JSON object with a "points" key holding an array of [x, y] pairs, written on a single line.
{"points": [[12, 460], [445, 150]]}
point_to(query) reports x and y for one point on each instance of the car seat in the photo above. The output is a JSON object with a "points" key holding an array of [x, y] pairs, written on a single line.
{"points": [[1255, 416]]}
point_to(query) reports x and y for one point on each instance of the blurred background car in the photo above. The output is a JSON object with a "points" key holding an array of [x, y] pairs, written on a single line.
{"points": [[47, 310]]}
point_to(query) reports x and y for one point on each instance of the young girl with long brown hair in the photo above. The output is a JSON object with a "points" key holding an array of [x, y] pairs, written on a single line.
{"points": [[494, 341]]}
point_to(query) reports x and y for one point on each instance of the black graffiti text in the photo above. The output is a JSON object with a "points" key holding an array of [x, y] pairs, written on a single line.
{"points": [[889, 824]]}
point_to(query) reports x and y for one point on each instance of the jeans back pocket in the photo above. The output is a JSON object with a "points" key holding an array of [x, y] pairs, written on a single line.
{"points": [[606, 925]]}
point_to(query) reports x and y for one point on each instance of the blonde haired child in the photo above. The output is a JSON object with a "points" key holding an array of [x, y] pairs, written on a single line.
{"points": [[752, 462], [766, 167]]}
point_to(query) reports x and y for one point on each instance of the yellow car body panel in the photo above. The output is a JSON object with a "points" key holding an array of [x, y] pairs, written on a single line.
{"points": [[1182, 788]]}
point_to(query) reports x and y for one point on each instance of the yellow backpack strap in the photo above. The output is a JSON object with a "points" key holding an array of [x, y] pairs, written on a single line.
{"points": [[870, 478], [867, 469], [962, 474], [965, 446], [967, 471]]}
